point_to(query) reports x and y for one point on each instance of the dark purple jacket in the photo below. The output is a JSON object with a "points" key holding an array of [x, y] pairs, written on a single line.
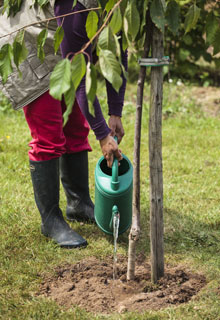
{"points": [[75, 37]]}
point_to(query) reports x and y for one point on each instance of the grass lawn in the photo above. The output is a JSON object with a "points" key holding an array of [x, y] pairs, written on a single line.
{"points": [[191, 171]]}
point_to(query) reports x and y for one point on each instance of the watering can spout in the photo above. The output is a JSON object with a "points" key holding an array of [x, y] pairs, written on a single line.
{"points": [[115, 211]]}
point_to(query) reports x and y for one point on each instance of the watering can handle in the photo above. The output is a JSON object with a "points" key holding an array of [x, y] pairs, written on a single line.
{"points": [[115, 182]]}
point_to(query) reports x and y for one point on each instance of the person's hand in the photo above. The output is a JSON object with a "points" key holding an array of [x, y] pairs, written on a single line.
{"points": [[110, 150], [116, 127]]}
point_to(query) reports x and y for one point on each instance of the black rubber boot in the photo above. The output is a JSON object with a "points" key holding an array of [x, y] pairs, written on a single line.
{"points": [[45, 179], [75, 180]]}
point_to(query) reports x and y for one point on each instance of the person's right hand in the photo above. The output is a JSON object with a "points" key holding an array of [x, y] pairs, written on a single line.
{"points": [[116, 127], [110, 150]]}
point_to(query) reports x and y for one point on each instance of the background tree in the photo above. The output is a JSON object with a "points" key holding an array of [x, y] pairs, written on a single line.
{"points": [[191, 30]]}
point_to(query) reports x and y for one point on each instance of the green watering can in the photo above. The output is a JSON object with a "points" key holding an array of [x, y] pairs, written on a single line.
{"points": [[113, 194]]}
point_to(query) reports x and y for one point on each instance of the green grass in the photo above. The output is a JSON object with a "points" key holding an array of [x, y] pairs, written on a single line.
{"points": [[191, 161]]}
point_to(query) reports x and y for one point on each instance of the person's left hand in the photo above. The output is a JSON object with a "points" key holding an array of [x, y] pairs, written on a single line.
{"points": [[116, 127]]}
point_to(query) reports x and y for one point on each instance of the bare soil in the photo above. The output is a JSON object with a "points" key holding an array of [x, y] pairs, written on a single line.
{"points": [[89, 284], [208, 99]]}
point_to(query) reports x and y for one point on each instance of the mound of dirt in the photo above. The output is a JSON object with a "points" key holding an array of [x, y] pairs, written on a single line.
{"points": [[89, 284]]}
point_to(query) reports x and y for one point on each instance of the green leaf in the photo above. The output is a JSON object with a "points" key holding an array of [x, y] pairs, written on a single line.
{"points": [[17, 53], [11, 7], [216, 42], [107, 41], [91, 86], [187, 39], [118, 46], [103, 3], [69, 98], [92, 24], [133, 18], [184, 54], [74, 3], [20, 36], [141, 41], [173, 16], [212, 25], [69, 95], [192, 17], [58, 38], [143, 9], [183, 2], [123, 6], [17, 48], [163, 2], [125, 35], [42, 3], [20, 51], [60, 79], [41, 39], [110, 4], [116, 21], [157, 14], [125, 73], [110, 68], [78, 69], [6, 56]]}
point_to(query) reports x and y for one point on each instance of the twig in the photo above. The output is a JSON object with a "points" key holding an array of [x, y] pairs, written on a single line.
{"points": [[48, 20]]}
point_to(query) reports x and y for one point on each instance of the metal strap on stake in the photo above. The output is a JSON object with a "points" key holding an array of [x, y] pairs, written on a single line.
{"points": [[154, 62]]}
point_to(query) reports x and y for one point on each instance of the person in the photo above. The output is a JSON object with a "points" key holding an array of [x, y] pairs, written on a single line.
{"points": [[56, 151]]}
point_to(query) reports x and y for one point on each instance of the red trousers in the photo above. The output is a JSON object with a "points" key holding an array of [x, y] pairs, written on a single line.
{"points": [[50, 139]]}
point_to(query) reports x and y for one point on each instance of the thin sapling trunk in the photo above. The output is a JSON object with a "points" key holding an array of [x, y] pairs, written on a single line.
{"points": [[135, 228]]}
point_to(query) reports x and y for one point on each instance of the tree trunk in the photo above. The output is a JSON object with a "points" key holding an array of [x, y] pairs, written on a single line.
{"points": [[155, 161], [135, 228]]}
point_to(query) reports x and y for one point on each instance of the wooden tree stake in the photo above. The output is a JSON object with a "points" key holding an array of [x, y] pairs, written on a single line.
{"points": [[155, 161]]}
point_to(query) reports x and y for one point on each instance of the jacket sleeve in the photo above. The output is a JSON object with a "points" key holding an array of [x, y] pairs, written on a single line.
{"points": [[116, 99]]}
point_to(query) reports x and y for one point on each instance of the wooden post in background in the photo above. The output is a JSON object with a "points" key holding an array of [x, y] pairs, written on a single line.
{"points": [[155, 161]]}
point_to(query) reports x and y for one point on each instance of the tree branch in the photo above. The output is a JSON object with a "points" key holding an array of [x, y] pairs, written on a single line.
{"points": [[69, 14], [48, 20]]}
